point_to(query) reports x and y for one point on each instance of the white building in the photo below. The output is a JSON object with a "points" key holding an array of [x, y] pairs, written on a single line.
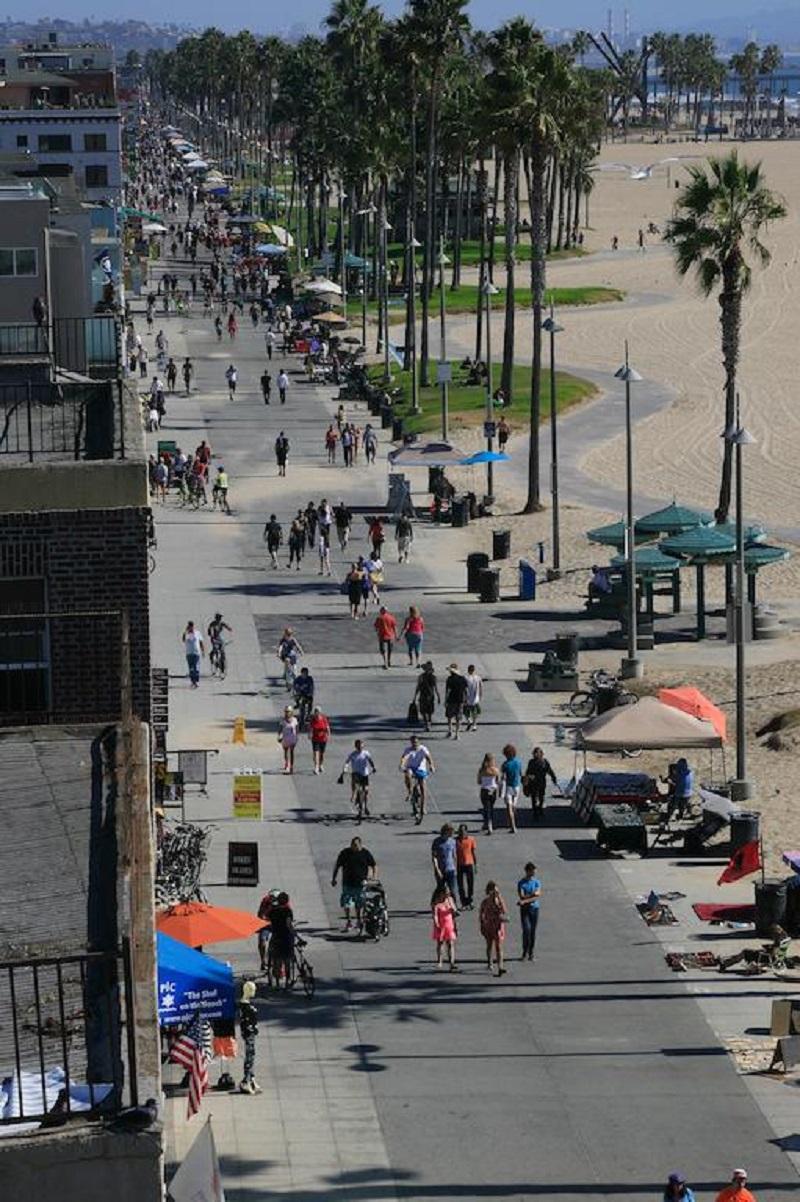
{"points": [[83, 141]]}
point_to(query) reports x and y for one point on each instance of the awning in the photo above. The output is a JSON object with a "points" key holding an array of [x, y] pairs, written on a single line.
{"points": [[189, 981], [432, 454], [648, 726], [691, 701]]}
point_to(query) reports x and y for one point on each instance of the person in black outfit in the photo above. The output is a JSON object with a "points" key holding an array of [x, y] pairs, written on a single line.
{"points": [[357, 864], [248, 1026], [535, 780], [455, 694]]}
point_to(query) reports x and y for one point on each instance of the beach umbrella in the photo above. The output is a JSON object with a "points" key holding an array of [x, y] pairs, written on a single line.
{"points": [[197, 165], [330, 319], [281, 235], [650, 561], [197, 923], [189, 981], [752, 534], [761, 555], [703, 542], [154, 227], [672, 519], [485, 457], [321, 286], [270, 248], [691, 701], [431, 454], [614, 535]]}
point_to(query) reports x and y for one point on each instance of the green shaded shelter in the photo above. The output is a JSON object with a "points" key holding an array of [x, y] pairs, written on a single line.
{"points": [[652, 563], [700, 546], [614, 535], [672, 519]]}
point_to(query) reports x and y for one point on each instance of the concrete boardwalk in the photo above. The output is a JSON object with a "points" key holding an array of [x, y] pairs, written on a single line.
{"points": [[592, 1072]]}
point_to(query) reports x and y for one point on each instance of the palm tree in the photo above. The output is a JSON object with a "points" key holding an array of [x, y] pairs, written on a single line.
{"points": [[747, 66], [720, 216]]}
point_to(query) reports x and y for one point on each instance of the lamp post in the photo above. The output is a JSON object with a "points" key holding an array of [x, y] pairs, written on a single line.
{"points": [[631, 666], [411, 272], [342, 251], [443, 364], [489, 291], [741, 789], [385, 227], [551, 326]]}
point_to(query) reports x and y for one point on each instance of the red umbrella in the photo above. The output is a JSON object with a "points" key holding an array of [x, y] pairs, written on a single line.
{"points": [[692, 701], [197, 923]]}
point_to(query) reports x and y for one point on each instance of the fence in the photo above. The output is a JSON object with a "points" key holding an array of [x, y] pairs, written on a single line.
{"points": [[81, 420], [67, 1033], [90, 346]]}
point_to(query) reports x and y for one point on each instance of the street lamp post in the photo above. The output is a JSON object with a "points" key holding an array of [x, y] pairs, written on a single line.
{"points": [[342, 251], [551, 326], [631, 666], [385, 293], [443, 260], [489, 291], [740, 788], [411, 273]]}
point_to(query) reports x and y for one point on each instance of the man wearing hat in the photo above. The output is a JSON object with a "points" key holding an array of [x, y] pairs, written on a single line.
{"points": [[248, 1025], [737, 1191], [455, 694]]}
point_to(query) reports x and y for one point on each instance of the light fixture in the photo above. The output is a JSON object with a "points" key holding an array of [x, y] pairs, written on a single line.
{"points": [[552, 327], [489, 289], [627, 373]]}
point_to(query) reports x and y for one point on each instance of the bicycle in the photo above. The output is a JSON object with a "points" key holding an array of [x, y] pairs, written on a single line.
{"points": [[302, 968], [361, 799], [289, 672], [585, 702], [417, 799], [303, 705], [218, 659]]}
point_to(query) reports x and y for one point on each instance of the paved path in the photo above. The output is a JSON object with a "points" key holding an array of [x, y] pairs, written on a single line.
{"points": [[591, 1072]]}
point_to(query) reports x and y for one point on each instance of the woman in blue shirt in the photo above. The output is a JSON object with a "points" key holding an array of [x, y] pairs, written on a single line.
{"points": [[677, 1190], [529, 890], [511, 783]]}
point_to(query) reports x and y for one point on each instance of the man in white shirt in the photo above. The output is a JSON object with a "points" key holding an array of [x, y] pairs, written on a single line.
{"points": [[194, 649], [361, 766], [283, 384], [416, 763], [472, 704]]}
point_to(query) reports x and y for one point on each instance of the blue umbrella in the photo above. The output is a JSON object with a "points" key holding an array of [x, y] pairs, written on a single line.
{"points": [[189, 981], [485, 457]]}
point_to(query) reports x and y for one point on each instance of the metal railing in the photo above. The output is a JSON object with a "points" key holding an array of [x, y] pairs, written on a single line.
{"points": [[83, 420], [89, 346], [68, 1029]]}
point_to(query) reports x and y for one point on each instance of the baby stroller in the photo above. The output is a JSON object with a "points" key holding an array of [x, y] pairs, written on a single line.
{"points": [[374, 912]]}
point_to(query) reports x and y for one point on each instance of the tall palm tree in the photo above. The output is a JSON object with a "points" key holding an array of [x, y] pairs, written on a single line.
{"points": [[720, 216]]}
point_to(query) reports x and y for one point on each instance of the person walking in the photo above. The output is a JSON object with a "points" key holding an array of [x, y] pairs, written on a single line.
{"points": [[472, 700], [511, 783], [355, 589], [466, 866], [231, 377], [331, 438], [269, 342], [503, 433], [248, 1027], [737, 1191], [404, 537], [492, 919], [194, 649], [343, 519], [273, 537], [287, 737], [677, 1189], [266, 386], [444, 858], [283, 384], [370, 443], [377, 536], [347, 446], [172, 374], [281, 452], [426, 694], [488, 784], [386, 630], [310, 514], [319, 732], [413, 632], [357, 865], [324, 550], [529, 890], [455, 694], [444, 933], [296, 540], [534, 780], [188, 373], [232, 325]]}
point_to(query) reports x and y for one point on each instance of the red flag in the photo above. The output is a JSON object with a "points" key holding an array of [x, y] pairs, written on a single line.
{"points": [[745, 859]]}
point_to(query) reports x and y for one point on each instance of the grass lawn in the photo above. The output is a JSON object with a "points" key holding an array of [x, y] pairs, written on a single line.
{"points": [[471, 253], [467, 403], [465, 299]]}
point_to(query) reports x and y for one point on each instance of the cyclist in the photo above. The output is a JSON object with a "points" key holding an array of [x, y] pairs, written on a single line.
{"points": [[304, 695], [416, 764], [289, 651], [231, 377], [361, 766], [219, 491], [215, 636], [273, 537]]}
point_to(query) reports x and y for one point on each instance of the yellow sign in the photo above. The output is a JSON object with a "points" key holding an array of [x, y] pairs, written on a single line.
{"points": [[247, 795], [238, 731]]}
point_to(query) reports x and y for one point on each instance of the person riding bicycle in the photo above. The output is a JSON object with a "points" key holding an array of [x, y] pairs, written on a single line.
{"points": [[361, 766], [304, 695], [215, 635], [289, 650], [416, 764]]}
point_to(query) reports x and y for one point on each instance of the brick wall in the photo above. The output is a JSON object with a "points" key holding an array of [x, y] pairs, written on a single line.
{"points": [[92, 560]]}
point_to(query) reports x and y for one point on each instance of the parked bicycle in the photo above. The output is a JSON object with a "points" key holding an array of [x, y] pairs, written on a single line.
{"points": [[605, 692]]}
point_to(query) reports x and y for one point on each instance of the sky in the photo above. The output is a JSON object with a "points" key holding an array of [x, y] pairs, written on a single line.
{"points": [[263, 18]]}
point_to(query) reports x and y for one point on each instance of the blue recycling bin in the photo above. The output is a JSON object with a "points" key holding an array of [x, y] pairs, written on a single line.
{"points": [[527, 581]]}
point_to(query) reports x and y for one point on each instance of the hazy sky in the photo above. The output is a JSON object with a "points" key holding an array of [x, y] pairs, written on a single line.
{"points": [[260, 17]]}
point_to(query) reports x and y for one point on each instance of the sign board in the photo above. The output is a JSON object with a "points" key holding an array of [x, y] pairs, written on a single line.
{"points": [[444, 373], [489, 429], [247, 795], [242, 864], [166, 444], [194, 767], [173, 787]]}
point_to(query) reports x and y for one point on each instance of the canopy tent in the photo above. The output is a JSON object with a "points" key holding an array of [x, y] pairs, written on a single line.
{"points": [[648, 726], [127, 213], [330, 319], [189, 981], [614, 535], [322, 286], [197, 923], [154, 227], [281, 235], [198, 165], [270, 248], [432, 454], [691, 701], [672, 519], [485, 457]]}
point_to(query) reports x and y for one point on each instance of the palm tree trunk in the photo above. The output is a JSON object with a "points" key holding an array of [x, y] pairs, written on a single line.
{"points": [[538, 269], [483, 274], [458, 225], [730, 301], [498, 171], [510, 178]]}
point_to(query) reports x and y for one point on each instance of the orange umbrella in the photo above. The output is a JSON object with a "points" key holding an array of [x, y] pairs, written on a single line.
{"points": [[197, 923], [692, 701]]}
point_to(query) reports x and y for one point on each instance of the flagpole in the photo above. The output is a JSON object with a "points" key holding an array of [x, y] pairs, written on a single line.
{"points": [[761, 855]]}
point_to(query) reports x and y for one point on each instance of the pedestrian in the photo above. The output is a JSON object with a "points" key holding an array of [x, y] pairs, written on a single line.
{"points": [[281, 452], [324, 550], [676, 1189], [353, 582], [503, 432], [466, 866], [266, 386], [273, 537], [472, 701], [269, 342], [373, 565], [413, 632], [232, 325], [404, 537], [283, 384], [426, 694], [492, 919], [142, 362], [330, 443], [511, 783], [444, 932], [296, 541], [287, 737], [248, 1027], [444, 858], [319, 731], [310, 515], [172, 374], [386, 629], [737, 1191], [357, 865], [347, 446], [153, 418], [370, 443], [344, 519], [529, 889], [194, 650], [231, 376], [376, 536], [161, 480], [640, 240], [455, 694], [534, 780], [188, 372], [488, 784]]}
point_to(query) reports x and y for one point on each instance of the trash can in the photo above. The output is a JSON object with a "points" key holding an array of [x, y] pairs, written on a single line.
{"points": [[386, 416], [501, 544], [568, 644], [472, 506], [792, 909], [745, 828], [490, 585], [459, 511], [527, 581], [397, 429], [770, 904], [476, 562]]}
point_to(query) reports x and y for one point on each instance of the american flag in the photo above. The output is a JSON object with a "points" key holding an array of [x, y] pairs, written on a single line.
{"points": [[193, 1051]]}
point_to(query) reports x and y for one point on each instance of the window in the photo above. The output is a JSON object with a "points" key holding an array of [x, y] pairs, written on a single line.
{"points": [[18, 260], [22, 141], [24, 647], [94, 142], [97, 177], [54, 142]]}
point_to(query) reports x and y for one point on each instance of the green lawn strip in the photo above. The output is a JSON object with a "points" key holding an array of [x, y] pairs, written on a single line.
{"points": [[465, 299], [467, 403], [471, 253]]}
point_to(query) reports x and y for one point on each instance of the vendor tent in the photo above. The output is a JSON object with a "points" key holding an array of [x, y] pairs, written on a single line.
{"points": [[189, 981], [431, 454], [648, 726], [691, 701]]}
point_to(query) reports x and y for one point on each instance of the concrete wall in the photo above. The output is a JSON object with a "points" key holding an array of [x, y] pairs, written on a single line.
{"points": [[95, 484], [69, 296], [23, 224], [32, 123], [82, 1162]]}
